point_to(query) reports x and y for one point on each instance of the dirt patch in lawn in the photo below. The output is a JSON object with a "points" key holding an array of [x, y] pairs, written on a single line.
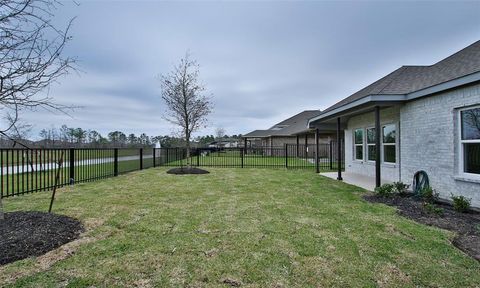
{"points": [[466, 225], [33, 233], [186, 170]]}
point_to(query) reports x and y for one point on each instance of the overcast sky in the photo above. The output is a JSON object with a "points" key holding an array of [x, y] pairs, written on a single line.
{"points": [[262, 61]]}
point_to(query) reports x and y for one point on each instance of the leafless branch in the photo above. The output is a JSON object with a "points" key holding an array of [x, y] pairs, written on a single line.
{"points": [[30, 55], [183, 94]]}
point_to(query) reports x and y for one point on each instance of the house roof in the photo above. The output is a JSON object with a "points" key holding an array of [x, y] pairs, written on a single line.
{"points": [[288, 127], [410, 79], [257, 134]]}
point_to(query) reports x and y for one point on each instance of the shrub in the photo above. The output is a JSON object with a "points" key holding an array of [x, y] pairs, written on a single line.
{"points": [[428, 195], [400, 187], [432, 209], [461, 203], [386, 190]]}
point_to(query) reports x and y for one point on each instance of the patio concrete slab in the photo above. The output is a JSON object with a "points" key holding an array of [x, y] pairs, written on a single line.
{"points": [[362, 181]]}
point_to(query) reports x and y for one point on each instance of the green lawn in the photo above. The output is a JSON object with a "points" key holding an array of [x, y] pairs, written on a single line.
{"points": [[233, 159], [38, 180], [257, 227]]}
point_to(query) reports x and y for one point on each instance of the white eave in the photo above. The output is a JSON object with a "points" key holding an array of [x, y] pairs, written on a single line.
{"points": [[471, 78]]}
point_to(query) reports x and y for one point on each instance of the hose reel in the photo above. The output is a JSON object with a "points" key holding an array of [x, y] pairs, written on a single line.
{"points": [[420, 182]]}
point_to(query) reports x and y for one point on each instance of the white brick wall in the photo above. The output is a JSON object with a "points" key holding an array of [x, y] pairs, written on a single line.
{"points": [[429, 141], [389, 172]]}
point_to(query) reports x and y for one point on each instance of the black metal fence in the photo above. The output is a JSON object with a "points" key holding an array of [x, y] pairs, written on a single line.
{"points": [[30, 170]]}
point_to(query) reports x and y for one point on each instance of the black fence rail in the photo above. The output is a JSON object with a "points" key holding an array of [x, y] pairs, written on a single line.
{"points": [[31, 170]]}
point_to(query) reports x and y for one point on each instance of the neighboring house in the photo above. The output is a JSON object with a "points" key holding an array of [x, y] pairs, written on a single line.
{"points": [[227, 143], [428, 118], [293, 130]]}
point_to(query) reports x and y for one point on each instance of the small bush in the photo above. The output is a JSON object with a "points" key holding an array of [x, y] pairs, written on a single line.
{"points": [[386, 190], [432, 209], [400, 187], [428, 195], [461, 203]]}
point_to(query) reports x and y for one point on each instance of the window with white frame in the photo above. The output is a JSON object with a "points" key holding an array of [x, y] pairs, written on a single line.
{"points": [[389, 143], [371, 148], [470, 140], [358, 141]]}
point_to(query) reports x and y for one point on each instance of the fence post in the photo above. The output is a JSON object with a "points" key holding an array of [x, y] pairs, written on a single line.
{"points": [[72, 166], [242, 154], [141, 158], [115, 162], [286, 155], [198, 157], [154, 162], [331, 155], [317, 158]]}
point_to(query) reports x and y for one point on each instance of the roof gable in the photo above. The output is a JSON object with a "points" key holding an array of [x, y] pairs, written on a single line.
{"points": [[290, 126], [409, 79]]}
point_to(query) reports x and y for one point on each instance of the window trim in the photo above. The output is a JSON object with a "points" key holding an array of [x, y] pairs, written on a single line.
{"points": [[355, 145], [383, 144], [461, 142], [369, 144]]}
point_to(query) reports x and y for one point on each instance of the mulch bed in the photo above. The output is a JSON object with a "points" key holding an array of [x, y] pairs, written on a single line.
{"points": [[33, 233], [466, 225], [186, 170]]}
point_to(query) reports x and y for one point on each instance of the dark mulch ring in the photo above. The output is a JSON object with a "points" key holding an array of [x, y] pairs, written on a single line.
{"points": [[33, 233], [466, 225], [187, 170]]}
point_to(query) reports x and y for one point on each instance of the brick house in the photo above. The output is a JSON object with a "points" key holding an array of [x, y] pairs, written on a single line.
{"points": [[428, 118], [292, 131]]}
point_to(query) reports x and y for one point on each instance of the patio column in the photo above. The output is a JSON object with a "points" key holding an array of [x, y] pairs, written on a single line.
{"points": [[271, 146], [339, 151], [298, 143], [245, 145], [306, 145], [377, 147], [316, 150]]}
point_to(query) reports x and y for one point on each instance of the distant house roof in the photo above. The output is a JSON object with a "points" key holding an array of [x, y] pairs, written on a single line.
{"points": [[408, 80], [288, 127]]}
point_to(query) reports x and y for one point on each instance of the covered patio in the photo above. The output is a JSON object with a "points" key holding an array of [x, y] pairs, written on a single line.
{"points": [[359, 180], [368, 172]]}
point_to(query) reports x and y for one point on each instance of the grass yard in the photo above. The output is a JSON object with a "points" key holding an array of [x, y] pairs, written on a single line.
{"points": [[46, 178], [254, 227], [248, 161]]}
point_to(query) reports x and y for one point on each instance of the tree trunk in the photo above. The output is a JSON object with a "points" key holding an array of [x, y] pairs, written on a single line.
{"points": [[189, 162], [2, 214]]}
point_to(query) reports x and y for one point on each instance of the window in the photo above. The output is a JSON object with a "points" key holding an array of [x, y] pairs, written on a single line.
{"points": [[389, 143], [358, 140], [470, 140], [371, 148]]}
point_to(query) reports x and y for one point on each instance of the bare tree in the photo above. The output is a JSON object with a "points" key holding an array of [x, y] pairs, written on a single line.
{"points": [[219, 133], [30, 57], [187, 106]]}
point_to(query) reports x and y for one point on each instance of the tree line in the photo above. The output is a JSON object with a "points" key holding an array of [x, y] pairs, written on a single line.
{"points": [[70, 137]]}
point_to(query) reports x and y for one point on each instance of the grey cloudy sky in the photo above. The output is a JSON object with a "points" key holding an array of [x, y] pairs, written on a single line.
{"points": [[262, 61]]}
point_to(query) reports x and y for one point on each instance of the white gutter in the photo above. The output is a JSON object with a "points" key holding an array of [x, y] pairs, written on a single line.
{"points": [[401, 97], [361, 101], [445, 86]]}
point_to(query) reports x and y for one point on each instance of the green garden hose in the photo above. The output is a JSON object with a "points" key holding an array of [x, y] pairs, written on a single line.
{"points": [[420, 181]]}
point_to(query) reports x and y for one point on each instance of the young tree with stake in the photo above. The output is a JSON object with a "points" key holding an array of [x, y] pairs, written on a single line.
{"points": [[187, 106], [30, 58]]}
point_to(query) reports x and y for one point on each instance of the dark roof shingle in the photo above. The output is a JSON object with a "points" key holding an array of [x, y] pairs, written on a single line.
{"points": [[291, 126], [408, 79]]}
